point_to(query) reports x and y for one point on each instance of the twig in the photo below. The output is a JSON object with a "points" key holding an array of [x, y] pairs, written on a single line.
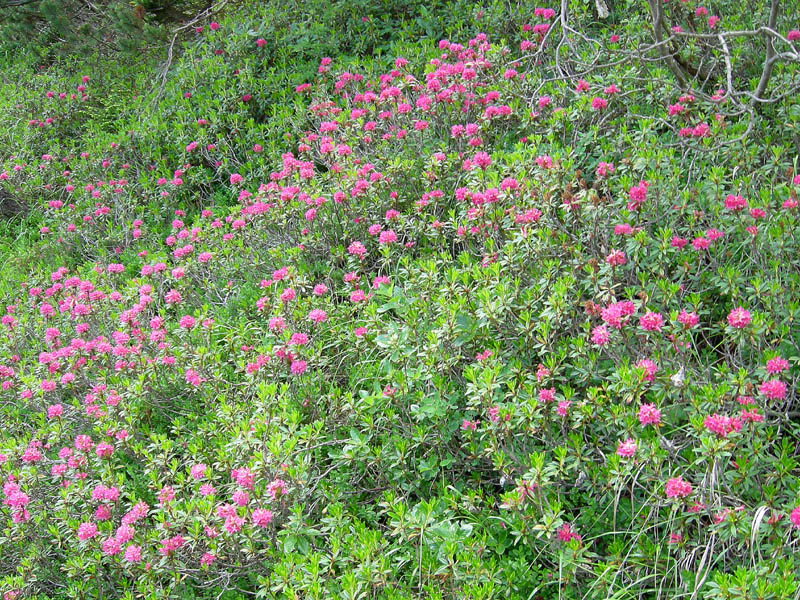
{"points": [[170, 50]]}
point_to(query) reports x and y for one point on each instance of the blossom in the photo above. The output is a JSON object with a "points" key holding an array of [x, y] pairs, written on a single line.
{"points": [[627, 448], [615, 314], [794, 516], [677, 487], [650, 368], [651, 321], [298, 367], [276, 489], [198, 471], [600, 335], [649, 414], [104, 450], [776, 365], [207, 559], [357, 249], [735, 203], [111, 546], [387, 237], [637, 194], [133, 553], [566, 533], [774, 389], [739, 317], [599, 103], [616, 257], [317, 315], [261, 517], [87, 531], [688, 319], [722, 425]]}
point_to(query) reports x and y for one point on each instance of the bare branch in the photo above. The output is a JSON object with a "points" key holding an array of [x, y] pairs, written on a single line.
{"points": [[768, 62]]}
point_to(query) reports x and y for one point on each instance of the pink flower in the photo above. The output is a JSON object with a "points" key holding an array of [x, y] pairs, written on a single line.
{"points": [[563, 407], [133, 554], [794, 516], [298, 339], [317, 315], [688, 319], [677, 487], [387, 237], [792, 36], [722, 425], [187, 322], [774, 389], [357, 249], [599, 103], [735, 203], [172, 297], [651, 321], [104, 450], [198, 471], [600, 335], [262, 517], [566, 534], [276, 489], [650, 368], [213, 26], [627, 448], [616, 258], [83, 442], [482, 160], [240, 498], [87, 531], [298, 367], [166, 495], [637, 194], [111, 546], [547, 395], [776, 365], [649, 415], [54, 411], [739, 318]]}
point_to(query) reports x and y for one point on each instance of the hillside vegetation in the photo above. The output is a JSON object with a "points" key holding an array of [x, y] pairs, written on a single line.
{"points": [[378, 300]]}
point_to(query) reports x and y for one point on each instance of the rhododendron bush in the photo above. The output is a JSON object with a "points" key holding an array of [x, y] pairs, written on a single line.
{"points": [[484, 325]]}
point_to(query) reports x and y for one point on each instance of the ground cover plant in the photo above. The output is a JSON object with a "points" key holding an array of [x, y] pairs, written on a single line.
{"points": [[463, 301]]}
